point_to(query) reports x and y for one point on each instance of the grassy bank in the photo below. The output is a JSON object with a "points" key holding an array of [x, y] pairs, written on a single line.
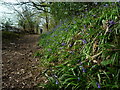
{"points": [[84, 52]]}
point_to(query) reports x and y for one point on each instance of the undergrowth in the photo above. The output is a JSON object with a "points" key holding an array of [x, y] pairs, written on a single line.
{"points": [[8, 36], [84, 52]]}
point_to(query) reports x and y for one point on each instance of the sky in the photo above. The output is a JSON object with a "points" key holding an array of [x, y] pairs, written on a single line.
{"points": [[5, 11]]}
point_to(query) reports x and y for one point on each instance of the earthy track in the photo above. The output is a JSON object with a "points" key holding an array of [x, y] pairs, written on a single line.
{"points": [[20, 68]]}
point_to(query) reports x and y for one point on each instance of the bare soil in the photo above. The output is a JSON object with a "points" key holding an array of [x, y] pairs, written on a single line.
{"points": [[20, 68]]}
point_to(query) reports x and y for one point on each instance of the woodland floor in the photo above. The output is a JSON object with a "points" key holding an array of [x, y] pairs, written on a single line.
{"points": [[20, 68]]}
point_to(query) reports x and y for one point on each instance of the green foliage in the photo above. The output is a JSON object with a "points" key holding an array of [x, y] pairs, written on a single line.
{"points": [[61, 10], [84, 52]]}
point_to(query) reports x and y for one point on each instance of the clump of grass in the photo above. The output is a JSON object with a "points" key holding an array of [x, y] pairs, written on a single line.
{"points": [[84, 53]]}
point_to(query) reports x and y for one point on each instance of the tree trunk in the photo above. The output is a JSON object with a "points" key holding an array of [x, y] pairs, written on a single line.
{"points": [[47, 22]]}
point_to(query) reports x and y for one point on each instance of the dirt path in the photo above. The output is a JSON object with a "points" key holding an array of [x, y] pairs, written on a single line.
{"points": [[20, 67]]}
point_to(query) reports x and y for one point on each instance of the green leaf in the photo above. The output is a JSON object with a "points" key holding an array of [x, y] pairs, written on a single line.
{"points": [[93, 83], [106, 62], [68, 80]]}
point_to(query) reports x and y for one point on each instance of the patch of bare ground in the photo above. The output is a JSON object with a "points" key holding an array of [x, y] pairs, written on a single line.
{"points": [[20, 68]]}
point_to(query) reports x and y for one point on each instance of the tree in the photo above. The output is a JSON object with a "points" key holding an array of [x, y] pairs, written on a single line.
{"points": [[25, 20], [26, 15], [44, 8], [6, 25]]}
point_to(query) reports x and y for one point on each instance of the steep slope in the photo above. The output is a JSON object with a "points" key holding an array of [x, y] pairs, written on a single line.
{"points": [[84, 52]]}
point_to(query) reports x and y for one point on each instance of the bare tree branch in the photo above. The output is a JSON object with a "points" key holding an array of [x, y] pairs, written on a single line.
{"points": [[40, 6]]}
